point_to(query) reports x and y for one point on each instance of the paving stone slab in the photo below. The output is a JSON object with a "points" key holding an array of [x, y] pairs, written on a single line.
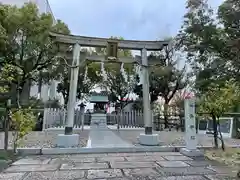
{"points": [[110, 159], [32, 160], [90, 155], [106, 173], [11, 176], [199, 163], [164, 153], [186, 171], [177, 158], [32, 168], [172, 164], [178, 178], [66, 160], [224, 170], [220, 177], [128, 154], [121, 178], [126, 165], [140, 172], [85, 155], [58, 175], [84, 166], [145, 158]]}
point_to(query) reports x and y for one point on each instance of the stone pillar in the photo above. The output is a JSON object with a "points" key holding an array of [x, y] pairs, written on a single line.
{"points": [[68, 139], [148, 138], [72, 90], [190, 129], [146, 98]]}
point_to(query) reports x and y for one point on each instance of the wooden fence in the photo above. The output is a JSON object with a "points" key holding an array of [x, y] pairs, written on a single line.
{"points": [[56, 118]]}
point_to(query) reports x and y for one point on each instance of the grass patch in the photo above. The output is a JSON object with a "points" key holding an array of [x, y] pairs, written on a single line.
{"points": [[9, 155], [230, 157]]}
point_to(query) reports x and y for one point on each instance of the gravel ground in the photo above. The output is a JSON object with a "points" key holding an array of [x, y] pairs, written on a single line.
{"points": [[45, 139], [48, 138], [173, 138]]}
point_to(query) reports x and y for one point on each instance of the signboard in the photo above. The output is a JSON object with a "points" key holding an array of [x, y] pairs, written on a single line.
{"points": [[112, 49]]}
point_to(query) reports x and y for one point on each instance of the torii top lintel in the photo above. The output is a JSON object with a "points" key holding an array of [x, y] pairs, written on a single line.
{"points": [[102, 42]]}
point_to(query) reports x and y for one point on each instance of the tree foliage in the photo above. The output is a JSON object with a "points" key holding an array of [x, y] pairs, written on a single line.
{"points": [[118, 78], [89, 76], [211, 41], [165, 78], [217, 100], [23, 121], [25, 43]]}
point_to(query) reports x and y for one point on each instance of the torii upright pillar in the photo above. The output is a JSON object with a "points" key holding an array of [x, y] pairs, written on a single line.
{"points": [[68, 139], [148, 138]]}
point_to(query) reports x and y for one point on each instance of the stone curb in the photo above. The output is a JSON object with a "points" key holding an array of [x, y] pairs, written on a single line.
{"points": [[84, 150], [107, 150]]}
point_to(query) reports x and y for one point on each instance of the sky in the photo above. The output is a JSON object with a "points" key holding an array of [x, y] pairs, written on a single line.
{"points": [[131, 19]]}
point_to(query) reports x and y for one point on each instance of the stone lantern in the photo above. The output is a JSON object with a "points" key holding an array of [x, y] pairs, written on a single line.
{"points": [[82, 109]]}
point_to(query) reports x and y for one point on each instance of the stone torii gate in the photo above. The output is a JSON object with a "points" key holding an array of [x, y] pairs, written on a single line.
{"points": [[147, 138]]}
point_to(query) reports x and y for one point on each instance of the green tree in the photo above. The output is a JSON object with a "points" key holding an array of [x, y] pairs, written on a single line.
{"points": [[89, 76], [211, 41], [25, 43], [216, 101], [23, 121], [165, 78], [120, 83], [118, 78], [229, 19], [202, 42]]}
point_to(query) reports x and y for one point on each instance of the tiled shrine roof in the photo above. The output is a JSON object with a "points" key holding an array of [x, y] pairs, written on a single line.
{"points": [[102, 93]]}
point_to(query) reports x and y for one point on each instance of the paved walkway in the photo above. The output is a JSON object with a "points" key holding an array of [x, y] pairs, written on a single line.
{"points": [[122, 166], [105, 138], [48, 139]]}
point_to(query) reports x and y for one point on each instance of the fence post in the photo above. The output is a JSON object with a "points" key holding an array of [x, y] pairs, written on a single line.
{"points": [[118, 120], [45, 112], [82, 108], [64, 117]]}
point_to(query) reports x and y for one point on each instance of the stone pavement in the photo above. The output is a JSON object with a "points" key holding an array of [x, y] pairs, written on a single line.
{"points": [[105, 138], [116, 166]]}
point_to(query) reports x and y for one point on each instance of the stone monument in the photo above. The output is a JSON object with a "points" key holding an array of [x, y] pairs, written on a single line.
{"points": [[190, 130], [99, 117]]}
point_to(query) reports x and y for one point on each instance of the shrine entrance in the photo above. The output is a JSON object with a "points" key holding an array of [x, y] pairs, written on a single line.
{"points": [[78, 58]]}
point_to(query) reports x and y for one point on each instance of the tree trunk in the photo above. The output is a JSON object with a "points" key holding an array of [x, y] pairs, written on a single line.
{"points": [[215, 130], [6, 129], [40, 83], [25, 92], [7, 123], [165, 114], [221, 137], [66, 96], [15, 136]]}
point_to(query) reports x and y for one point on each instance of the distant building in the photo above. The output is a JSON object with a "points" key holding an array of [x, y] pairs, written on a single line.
{"points": [[47, 91]]}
